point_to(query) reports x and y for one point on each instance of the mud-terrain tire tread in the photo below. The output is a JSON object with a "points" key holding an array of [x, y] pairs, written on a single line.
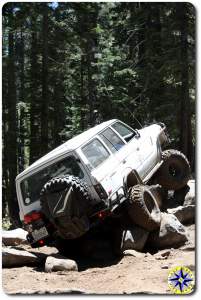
{"points": [[160, 194], [138, 210], [163, 176]]}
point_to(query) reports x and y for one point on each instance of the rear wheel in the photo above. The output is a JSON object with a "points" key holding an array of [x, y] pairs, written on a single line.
{"points": [[174, 173], [143, 208]]}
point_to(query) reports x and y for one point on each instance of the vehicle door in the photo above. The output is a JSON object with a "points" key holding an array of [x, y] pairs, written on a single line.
{"points": [[147, 152], [140, 149], [102, 164], [128, 155]]}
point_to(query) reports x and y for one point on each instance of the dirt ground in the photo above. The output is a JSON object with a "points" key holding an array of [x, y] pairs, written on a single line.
{"points": [[130, 275]]}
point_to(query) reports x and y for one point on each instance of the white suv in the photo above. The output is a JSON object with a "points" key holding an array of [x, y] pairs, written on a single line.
{"points": [[84, 180]]}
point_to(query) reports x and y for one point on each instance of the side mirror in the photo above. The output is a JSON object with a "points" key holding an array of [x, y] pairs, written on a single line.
{"points": [[137, 134]]}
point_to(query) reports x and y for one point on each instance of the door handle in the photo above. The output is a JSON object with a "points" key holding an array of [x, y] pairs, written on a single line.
{"points": [[124, 161], [137, 148]]}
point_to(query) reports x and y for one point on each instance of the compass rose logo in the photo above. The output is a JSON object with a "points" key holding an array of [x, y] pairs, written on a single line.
{"points": [[181, 280]]}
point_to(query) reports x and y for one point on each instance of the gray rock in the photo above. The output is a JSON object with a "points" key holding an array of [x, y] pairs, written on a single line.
{"points": [[14, 237], [171, 233], [190, 196], [163, 254], [133, 238], [17, 258], [60, 264], [133, 253], [185, 214]]}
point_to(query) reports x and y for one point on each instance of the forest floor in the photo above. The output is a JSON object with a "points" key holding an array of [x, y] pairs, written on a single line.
{"points": [[129, 275]]}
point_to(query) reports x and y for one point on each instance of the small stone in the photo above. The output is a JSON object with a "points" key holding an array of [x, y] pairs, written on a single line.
{"points": [[165, 267], [161, 255], [133, 253], [58, 264]]}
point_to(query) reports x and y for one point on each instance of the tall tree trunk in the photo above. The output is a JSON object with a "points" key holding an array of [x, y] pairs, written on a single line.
{"points": [[5, 135], [44, 108], [21, 143], [34, 105], [92, 46], [82, 95], [21, 139], [12, 125], [87, 15], [186, 144]]}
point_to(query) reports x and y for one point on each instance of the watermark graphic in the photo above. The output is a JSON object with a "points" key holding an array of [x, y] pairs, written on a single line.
{"points": [[181, 280]]}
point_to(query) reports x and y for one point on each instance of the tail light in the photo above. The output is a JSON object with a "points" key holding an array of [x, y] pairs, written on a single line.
{"points": [[100, 191], [103, 214], [33, 216]]}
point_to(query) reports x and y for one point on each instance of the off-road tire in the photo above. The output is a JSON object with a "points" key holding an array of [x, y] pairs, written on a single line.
{"points": [[62, 185], [160, 194], [143, 208], [174, 172]]}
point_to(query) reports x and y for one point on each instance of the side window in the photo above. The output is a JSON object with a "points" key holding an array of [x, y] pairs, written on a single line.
{"points": [[95, 152], [124, 131], [112, 140]]}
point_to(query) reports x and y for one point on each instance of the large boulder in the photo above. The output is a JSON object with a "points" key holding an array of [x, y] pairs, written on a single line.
{"points": [[171, 233], [185, 214], [14, 237], [190, 196], [133, 238], [16, 258], [60, 264], [185, 196]]}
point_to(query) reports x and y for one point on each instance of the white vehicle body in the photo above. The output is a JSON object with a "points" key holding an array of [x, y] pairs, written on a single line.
{"points": [[141, 153]]}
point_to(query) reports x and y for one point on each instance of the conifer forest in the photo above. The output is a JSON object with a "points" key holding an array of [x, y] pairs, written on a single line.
{"points": [[71, 65]]}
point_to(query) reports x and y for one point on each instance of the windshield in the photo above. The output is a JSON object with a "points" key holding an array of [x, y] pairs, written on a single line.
{"points": [[126, 133], [32, 186]]}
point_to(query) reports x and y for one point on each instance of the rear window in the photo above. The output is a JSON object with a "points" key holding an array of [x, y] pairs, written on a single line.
{"points": [[95, 152], [124, 131], [31, 186]]}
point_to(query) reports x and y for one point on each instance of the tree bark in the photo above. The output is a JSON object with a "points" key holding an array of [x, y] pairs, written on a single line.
{"points": [[12, 125], [186, 144], [21, 143], [44, 108], [34, 105]]}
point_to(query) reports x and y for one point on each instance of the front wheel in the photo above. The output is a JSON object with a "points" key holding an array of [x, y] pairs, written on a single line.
{"points": [[174, 173], [143, 208]]}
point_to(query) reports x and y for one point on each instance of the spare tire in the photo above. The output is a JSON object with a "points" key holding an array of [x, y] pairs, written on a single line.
{"points": [[174, 172], [143, 208], [65, 201]]}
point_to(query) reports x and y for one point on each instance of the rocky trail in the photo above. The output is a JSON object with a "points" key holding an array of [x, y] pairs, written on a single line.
{"points": [[142, 267], [145, 274]]}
